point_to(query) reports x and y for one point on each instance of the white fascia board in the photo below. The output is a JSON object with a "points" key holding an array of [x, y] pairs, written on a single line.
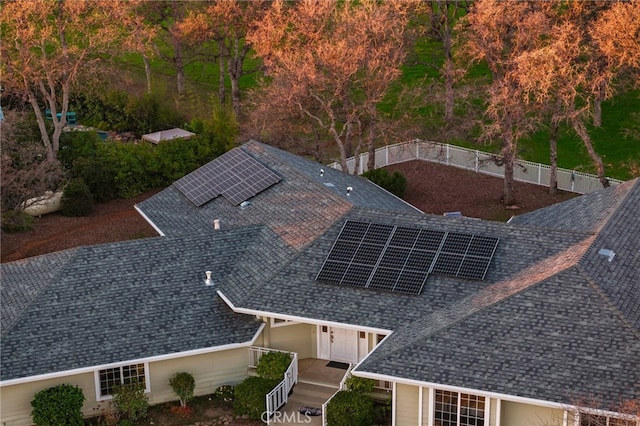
{"points": [[135, 361], [458, 389], [306, 320], [145, 217]]}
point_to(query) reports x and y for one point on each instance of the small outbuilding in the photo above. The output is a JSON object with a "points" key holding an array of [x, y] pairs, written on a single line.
{"points": [[163, 135]]}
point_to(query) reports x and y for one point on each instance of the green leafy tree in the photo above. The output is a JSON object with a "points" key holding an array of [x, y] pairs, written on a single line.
{"points": [[58, 406], [183, 384]]}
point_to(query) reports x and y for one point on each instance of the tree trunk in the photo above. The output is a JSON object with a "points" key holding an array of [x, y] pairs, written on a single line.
{"points": [[147, 71], [553, 157], [221, 58], [236, 62], [178, 61], [46, 141], [581, 130], [508, 158], [448, 69], [371, 145], [597, 106]]}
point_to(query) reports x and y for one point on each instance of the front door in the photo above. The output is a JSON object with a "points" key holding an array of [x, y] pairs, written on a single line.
{"points": [[338, 344]]}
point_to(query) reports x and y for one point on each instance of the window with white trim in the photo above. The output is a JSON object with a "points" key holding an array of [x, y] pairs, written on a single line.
{"points": [[600, 420], [109, 378], [459, 409]]}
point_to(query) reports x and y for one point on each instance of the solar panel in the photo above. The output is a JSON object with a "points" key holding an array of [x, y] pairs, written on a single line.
{"points": [[400, 259], [235, 175]]}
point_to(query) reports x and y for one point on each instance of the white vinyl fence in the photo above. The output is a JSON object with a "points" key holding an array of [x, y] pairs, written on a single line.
{"points": [[478, 161]]}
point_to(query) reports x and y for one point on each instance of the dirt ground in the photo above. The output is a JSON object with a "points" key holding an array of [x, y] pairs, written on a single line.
{"points": [[433, 188]]}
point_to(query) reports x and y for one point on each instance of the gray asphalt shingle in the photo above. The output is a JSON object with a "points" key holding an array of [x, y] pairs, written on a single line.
{"points": [[552, 316]]}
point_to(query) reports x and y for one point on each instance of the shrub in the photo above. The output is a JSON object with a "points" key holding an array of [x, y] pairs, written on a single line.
{"points": [[395, 183], [249, 396], [131, 401], [77, 199], [58, 406], [224, 393], [16, 221], [183, 384], [350, 409], [360, 384], [273, 365], [99, 175]]}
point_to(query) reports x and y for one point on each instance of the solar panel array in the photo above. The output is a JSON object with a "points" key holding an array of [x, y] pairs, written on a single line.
{"points": [[399, 259], [235, 174]]}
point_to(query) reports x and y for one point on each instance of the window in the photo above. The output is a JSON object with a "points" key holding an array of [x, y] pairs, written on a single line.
{"points": [[109, 378], [458, 409], [598, 420]]}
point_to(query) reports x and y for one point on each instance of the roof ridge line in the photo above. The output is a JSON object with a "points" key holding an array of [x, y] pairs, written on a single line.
{"points": [[73, 252], [607, 300]]}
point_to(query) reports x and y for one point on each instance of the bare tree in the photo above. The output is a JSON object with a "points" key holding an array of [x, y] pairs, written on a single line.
{"points": [[227, 22], [334, 62], [47, 46], [497, 33]]}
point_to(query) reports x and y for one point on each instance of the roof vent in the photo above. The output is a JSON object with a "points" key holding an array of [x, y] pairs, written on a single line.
{"points": [[452, 214], [608, 253], [321, 172], [245, 204], [208, 281], [216, 224], [349, 189]]}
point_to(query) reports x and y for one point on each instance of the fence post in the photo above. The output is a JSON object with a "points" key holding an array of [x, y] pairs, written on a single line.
{"points": [[386, 155], [477, 162], [539, 173], [447, 154]]}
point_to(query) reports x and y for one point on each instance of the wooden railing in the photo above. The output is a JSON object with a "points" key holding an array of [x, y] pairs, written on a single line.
{"points": [[279, 395]]}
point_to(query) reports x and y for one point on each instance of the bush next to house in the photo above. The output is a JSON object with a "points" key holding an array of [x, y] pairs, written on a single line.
{"points": [[273, 365], [131, 401], [58, 406], [395, 183], [183, 384], [349, 408], [16, 221], [360, 384], [77, 199], [250, 396]]}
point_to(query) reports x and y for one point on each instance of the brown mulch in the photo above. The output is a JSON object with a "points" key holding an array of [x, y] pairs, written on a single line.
{"points": [[433, 188]]}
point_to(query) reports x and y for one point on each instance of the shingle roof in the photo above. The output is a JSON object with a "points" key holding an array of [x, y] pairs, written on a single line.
{"points": [[551, 319], [298, 209], [564, 328], [555, 341], [124, 301]]}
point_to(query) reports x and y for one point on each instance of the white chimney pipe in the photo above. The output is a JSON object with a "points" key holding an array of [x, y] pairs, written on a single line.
{"points": [[349, 189], [208, 280], [216, 224]]}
